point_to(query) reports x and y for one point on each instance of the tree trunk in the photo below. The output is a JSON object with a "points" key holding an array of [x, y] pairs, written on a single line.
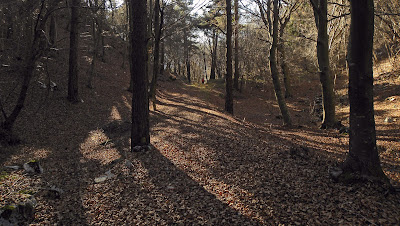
{"points": [[274, 68], [95, 38], [287, 81], [228, 78], [28, 73], [162, 60], [128, 13], [156, 53], [328, 95], [73, 54], [187, 55], [237, 72], [363, 157], [214, 54], [140, 135]]}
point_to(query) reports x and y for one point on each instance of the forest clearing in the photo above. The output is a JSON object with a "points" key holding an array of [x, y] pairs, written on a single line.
{"points": [[223, 143]]}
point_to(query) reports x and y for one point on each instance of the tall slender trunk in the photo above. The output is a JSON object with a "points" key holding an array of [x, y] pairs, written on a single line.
{"points": [[274, 68], [237, 72], [156, 53], [287, 81], [140, 135], [214, 54], [128, 13], [73, 54], [228, 78], [162, 55], [95, 37], [187, 55], [363, 157], [328, 95]]}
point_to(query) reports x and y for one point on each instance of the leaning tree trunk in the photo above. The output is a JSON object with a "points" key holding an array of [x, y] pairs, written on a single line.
{"points": [[274, 68], [328, 95], [228, 78], [140, 135], [363, 157], [73, 54]]}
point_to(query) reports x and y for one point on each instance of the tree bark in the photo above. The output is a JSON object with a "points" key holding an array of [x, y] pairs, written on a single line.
{"points": [[187, 55], [214, 54], [287, 81], [140, 135], [320, 8], [73, 54], [274, 68], [156, 54], [237, 72], [363, 157], [228, 77], [128, 12]]}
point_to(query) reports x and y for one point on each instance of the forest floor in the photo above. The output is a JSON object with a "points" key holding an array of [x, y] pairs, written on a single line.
{"points": [[205, 166]]}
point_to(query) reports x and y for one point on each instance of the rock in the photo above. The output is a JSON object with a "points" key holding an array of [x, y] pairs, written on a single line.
{"points": [[100, 179], [21, 214], [109, 174], [33, 166], [335, 173], [391, 99], [12, 167], [54, 193], [389, 120], [128, 163], [344, 130], [300, 151], [106, 176]]}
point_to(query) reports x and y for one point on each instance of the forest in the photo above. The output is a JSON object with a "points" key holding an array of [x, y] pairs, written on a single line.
{"points": [[199, 112]]}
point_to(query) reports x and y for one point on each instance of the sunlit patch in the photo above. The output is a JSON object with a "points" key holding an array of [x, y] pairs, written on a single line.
{"points": [[29, 154], [114, 115], [97, 146]]}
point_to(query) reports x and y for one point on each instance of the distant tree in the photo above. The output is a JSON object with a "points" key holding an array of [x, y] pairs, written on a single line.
{"points": [[274, 31], [237, 72], [228, 76], [362, 158], [290, 7], [140, 103], [158, 22], [320, 8], [214, 53], [187, 54], [73, 95]]}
